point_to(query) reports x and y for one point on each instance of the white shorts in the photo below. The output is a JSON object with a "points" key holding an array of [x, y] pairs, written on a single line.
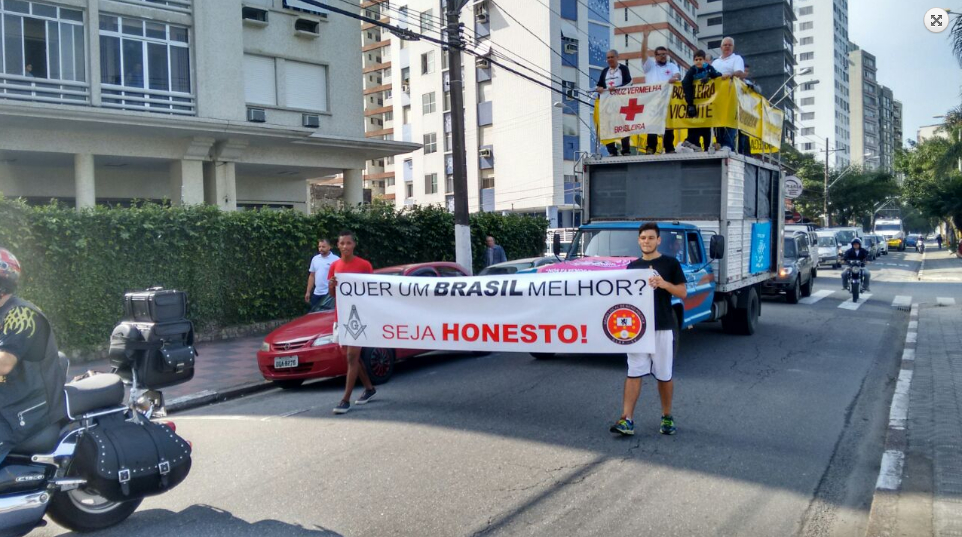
{"points": [[658, 364]]}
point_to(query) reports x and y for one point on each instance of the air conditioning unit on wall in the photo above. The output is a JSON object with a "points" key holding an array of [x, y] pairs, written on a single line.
{"points": [[256, 115], [484, 153]]}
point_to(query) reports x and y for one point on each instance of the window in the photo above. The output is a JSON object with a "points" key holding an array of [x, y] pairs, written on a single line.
{"points": [[254, 14], [427, 63], [406, 115], [808, 116], [808, 146], [447, 101], [484, 92], [694, 249], [306, 86], [487, 182], [409, 190], [426, 22], [428, 105], [49, 44], [259, 80], [806, 25], [806, 56], [808, 130], [431, 183], [307, 26], [807, 10], [714, 21], [714, 44], [808, 101], [430, 143], [806, 41], [448, 142], [144, 54]]}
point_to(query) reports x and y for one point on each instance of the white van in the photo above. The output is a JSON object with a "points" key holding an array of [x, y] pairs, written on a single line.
{"points": [[891, 229]]}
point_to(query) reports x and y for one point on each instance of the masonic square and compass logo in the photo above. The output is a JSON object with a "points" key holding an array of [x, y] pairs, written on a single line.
{"points": [[354, 326]]}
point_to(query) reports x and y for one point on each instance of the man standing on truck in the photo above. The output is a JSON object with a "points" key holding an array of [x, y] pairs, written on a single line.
{"points": [[615, 75], [668, 281]]}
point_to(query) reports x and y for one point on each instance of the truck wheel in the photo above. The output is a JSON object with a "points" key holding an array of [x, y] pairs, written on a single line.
{"points": [[743, 321], [542, 355], [807, 288], [792, 295], [814, 274]]}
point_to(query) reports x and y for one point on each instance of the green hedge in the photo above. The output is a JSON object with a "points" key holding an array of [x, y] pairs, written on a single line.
{"points": [[237, 267]]}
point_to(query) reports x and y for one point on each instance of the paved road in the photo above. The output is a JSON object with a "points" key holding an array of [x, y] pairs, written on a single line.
{"points": [[779, 434]]}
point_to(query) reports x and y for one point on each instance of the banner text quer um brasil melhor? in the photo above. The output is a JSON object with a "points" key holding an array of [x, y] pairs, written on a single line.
{"points": [[584, 312]]}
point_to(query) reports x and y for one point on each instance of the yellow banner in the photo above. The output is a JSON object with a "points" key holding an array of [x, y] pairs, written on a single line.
{"points": [[749, 110], [772, 121], [715, 101]]}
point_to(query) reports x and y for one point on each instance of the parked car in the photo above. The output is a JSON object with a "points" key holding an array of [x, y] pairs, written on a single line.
{"points": [[797, 276], [870, 243], [303, 348], [912, 240], [883, 245], [529, 264], [830, 251]]}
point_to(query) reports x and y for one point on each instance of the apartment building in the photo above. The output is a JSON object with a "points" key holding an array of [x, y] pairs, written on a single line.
{"points": [[668, 24], [890, 127], [823, 99], [865, 116], [763, 34], [523, 139], [226, 102]]}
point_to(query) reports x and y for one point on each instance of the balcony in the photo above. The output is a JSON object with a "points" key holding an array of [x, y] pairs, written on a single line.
{"points": [[44, 90], [140, 99]]}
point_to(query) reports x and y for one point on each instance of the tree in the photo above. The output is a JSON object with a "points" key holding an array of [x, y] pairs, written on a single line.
{"points": [[812, 173], [930, 186], [956, 36], [854, 197]]}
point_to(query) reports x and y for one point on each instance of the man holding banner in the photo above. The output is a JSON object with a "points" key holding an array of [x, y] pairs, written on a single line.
{"points": [[615, 75], [659, 68], [668, 281]]}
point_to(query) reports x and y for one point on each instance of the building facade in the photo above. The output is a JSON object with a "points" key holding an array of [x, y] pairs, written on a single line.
{"points": [[763, 34], [823, 95], [890, 127], [523, 140], [191, 101], [672, 25], [865, 117]]}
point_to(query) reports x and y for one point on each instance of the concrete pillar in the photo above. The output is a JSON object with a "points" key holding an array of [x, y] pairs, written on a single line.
{"points": [[225, 186], [353, 187], [85, 184], [187, 182]]}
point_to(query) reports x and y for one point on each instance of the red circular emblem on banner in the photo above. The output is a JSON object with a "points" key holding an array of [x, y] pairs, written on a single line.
{"points": [[624, 324]]}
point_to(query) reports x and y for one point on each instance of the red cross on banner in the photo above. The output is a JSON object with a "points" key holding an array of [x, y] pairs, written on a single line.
{"points": [[632, 109]]}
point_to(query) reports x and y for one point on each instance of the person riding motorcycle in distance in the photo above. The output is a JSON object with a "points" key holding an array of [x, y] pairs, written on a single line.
{"points": [[31, 373], [856, 253]]}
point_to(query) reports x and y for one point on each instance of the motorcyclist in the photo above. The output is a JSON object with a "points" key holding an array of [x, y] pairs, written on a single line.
{"points": [[856, 253], [31, 374]]}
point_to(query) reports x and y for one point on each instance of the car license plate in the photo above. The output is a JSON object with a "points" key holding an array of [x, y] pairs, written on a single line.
{"points": [[285, 362]]}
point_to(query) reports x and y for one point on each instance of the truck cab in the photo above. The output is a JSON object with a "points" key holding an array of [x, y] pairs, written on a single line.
{"points": [[612, 245], [891, 230]]}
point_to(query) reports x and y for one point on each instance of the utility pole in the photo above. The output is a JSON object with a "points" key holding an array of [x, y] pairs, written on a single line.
{"points": [[462, 224], [828, 221]]}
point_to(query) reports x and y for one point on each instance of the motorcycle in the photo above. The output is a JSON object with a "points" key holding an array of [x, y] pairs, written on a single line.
{"points": [[855, 278], [920, 246], [92, 469]]}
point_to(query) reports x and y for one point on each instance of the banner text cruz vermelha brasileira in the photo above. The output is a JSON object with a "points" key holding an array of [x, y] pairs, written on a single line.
{"points": [[718, 103], [584, 312]]}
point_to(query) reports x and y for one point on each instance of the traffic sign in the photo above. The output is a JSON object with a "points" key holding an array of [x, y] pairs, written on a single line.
{"points": [[793, 187]]}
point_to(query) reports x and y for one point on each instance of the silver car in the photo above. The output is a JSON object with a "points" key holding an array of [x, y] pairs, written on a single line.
{"points": [[830, 251]]}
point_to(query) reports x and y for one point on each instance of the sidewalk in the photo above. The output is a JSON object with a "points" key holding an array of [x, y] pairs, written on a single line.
{"points": [[222, 367], [940, 265], [925, 496]]}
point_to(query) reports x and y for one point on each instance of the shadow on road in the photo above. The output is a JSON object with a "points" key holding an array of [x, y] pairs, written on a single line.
{"points": [[201, 520]]}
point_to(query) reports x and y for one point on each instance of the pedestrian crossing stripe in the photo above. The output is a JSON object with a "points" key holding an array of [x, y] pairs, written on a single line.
{"points": [[816, 296], [902, 300], [849, 305], [945, 301]]}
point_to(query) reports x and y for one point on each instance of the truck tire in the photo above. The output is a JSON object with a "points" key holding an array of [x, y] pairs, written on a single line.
{"points": [[792, 295], [807, 288], [743, 321]]}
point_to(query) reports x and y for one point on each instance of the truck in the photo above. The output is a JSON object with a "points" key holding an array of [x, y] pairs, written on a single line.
{"points": [[891, 229], [720, 215]]}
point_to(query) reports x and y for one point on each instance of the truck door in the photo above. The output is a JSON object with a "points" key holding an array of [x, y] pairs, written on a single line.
{"points": [[701, 281]]}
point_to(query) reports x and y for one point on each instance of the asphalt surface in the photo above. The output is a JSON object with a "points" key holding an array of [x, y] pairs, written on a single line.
{"points": [[779, 433]]}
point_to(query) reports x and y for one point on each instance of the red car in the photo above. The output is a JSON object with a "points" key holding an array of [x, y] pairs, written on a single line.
{"points": [[302, 349]]}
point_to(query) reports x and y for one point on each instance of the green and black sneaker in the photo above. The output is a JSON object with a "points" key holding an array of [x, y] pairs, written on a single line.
{"points": [[623, 427], [667, 425]]}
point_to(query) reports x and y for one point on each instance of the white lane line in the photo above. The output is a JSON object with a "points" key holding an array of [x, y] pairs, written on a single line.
{"points": [[900, 401], [849, 305], [913, 325], [912, 337], [945, 301], [902, 300], [908, 354], [816, 296], [215, 418], [890, 475]]}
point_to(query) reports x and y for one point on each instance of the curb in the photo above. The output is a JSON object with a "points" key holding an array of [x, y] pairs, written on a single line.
{"points": [[206, 397], [883, 515]]}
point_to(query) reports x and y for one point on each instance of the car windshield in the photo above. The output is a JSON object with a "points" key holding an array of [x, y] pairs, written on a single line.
{"points": [[845, 236], [790, 249], [506, 268], [623, 243], [826, 241], [326, 304], [886, 227]]}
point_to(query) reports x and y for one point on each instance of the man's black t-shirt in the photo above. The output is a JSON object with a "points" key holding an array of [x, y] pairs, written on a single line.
{"points": [[670, 269], [23, 332]]}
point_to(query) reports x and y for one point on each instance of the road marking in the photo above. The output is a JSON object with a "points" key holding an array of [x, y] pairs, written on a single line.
{"points": [[913, 325], [901, 300], [945, 301], [908, 354], [900, 401], [849, 305], [912, 337], [818, 295], [890, 475], [217, 418]]}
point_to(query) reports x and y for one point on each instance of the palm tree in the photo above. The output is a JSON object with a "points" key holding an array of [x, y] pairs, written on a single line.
{"points": [[956, 36]]}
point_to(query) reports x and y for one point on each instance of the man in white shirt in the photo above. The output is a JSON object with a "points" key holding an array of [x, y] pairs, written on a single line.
{"points": [[321, 264], [615, 75], [728, 64], [659, 68]]}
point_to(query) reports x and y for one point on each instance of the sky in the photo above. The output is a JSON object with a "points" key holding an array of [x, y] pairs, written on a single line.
{"points": [[918, 65]]}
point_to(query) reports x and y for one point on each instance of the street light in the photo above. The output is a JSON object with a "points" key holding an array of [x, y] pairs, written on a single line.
{"points": [[562, 105], [812, 82], [805, 71]]}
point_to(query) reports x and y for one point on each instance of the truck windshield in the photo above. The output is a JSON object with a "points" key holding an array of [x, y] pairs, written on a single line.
{"points": [[826, 241], [886, 227], [623, 243]]}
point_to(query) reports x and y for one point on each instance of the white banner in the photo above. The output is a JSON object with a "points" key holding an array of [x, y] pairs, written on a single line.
{"points": [[597, 312], [633, 110]]}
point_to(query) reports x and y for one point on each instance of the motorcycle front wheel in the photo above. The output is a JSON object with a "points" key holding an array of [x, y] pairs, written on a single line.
{"points": [[83, 511], [855, 291]]}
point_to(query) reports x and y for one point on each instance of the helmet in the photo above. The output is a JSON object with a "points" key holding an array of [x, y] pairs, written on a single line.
{"points": [[856, 240], [9, 272]]}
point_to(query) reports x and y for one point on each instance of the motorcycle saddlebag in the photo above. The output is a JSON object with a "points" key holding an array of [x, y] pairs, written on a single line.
{"points": [[155, 305], [123, 460]]}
